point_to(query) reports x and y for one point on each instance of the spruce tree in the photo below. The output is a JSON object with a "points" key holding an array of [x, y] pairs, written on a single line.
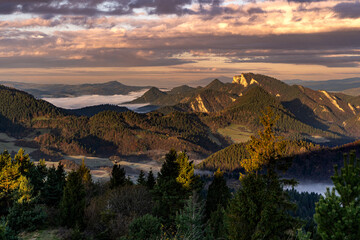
{"points": [[72, 204], [117, 178], [53, 189], [338, 213], [218, 194], [168, 192], [150, 181], [260, 209], [189, 220], [37, 175], [175, 183], [141, 179]]}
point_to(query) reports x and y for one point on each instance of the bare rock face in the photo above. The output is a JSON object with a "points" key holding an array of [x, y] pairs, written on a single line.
{"points": [[244, 79]]}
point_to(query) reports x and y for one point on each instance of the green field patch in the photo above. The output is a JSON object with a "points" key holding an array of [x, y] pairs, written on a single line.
{"points": [[237, 133]]}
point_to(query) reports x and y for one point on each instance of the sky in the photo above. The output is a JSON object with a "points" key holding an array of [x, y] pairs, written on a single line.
{"points": [[164, 42]]}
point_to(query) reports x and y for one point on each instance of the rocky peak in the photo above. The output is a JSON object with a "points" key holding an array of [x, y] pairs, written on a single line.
{"points": [[245, 79]]}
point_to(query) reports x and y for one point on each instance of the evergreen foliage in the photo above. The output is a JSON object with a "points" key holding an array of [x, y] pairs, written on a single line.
{"points": [[5, 232], [150, 181], [189, 220], [168, 192], [141, 179], [337, 214], [54, 186], [175, 183], [26, 216], [145, 227], [218, 194], [117, 177], [260, 209], [37, 175], [73, 201]]}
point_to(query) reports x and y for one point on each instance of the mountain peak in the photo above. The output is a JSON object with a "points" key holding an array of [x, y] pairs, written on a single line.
{"points": [[215, 84], [245, 79]]}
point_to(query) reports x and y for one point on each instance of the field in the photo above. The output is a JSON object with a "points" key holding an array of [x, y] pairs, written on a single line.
{"points": [[237, 133], [8, 143]]}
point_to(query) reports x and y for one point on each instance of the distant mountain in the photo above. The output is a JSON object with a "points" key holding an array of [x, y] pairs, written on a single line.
{"points": [[205, 81], [63, 90], [150, 96], [349, 86], [189, 118]]}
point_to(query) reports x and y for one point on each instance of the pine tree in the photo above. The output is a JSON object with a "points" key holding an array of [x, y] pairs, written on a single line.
{"points": [[37, 175], [338, 213], [117, 177], [186, 176], [141, 179], [260, 209], [72, 204], [168, 192], [145, 227], [53, 189], [23, 160], [175, 183], [189, 220], [267, 150], [218, 194], [150, 181]]}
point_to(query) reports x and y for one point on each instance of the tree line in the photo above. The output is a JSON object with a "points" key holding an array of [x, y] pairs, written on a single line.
{"points": [[176, 204]]}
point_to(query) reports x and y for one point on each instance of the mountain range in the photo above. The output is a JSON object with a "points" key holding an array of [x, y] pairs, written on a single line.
{"points": [[201, 120], [64, 90], [350, 86]]}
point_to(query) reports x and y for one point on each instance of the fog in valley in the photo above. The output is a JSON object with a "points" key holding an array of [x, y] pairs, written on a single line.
{"points": [[92, 100]]}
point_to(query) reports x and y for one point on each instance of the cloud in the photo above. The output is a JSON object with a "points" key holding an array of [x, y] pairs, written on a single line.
{"points": [[48, 8], [93, 100], [348, 10]]}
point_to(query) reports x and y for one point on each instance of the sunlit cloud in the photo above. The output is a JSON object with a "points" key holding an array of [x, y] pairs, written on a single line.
{"points": [[178, 33]]}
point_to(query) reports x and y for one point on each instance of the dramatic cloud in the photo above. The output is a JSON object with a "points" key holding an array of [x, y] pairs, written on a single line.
{"points": [[348, 9], [196, 36]]}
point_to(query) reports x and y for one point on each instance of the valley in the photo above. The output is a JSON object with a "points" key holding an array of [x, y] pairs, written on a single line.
{"points": [[202, 121]]}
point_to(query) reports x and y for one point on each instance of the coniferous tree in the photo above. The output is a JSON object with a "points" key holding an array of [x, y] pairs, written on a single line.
{"points": [[54, 186], [218, 194], [175, 183], [260, 209], [145, 227], [72, 204], [23, 160], [338, 213], [189, 220], [150, 181], [37, 175], [117, 177], [141, 179], [168, 192]]}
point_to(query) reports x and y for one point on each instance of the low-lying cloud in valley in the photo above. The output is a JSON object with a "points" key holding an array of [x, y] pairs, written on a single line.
{"points": [[92, 100]]}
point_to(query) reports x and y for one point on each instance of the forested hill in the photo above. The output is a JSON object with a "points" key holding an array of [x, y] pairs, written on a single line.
{"points": [[63, 90], [103, 130], [309, 161], [193, 119], [21, 107]]}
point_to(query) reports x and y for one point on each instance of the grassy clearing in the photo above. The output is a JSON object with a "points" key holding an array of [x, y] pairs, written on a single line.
{"points": [[237, 133], [8, 143], [40, 235]]}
